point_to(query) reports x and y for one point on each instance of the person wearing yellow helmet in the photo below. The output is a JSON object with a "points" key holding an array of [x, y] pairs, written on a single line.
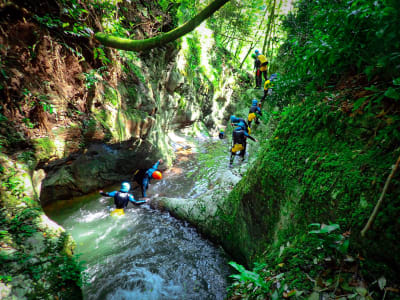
{"points": [[143, 176]]}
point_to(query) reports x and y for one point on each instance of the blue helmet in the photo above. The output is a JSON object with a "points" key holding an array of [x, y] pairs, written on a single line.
{"points": [[233, 118], [125, 187], [254, 102], [257, 52]]}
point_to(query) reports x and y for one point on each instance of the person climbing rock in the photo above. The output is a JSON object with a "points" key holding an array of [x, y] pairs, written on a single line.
{"points": [[122, 197], [239, 122], [257, 66], [143, 176], [239, 137], [254, 112], [263, 64]]}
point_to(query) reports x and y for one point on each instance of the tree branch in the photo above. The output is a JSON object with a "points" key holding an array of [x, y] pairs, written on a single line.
{"points": [[162, 39], [379, 203]]}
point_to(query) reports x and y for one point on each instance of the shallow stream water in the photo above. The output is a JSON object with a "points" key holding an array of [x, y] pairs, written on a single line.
{"points": [[147, 254]]}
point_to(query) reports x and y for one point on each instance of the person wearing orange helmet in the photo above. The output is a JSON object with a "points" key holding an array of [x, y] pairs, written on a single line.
{"points": [[143, 176]]}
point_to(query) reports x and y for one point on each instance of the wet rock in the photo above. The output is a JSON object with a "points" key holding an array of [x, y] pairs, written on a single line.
{"points": [[100, 166]]}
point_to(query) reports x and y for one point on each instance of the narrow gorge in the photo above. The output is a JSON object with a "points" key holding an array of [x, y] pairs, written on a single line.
{"points": [[312, 211]]}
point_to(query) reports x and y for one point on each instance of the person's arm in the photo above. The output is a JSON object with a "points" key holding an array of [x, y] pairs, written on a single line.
{"points": [[250, 137], [259, 111], [112, 194], [154, 167], [134, 201]]}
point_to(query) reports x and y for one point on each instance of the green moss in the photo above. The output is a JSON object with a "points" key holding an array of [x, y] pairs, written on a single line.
{"points": [[111, 95], [320, 166], [35, 260], [136, 114]]}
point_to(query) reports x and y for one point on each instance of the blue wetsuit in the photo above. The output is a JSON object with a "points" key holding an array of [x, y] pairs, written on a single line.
{"points": [[121, 199]]}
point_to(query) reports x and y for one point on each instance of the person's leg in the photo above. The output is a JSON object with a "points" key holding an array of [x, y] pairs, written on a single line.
{"points": [[258, 78], [232, 156], [264, 96], [231, 159], [243, 152], [144, 185], [265, 75]]}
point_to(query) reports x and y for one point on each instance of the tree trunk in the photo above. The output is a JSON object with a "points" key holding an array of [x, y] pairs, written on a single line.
{"points": [[162, 39], [254, 42], [270, 20]]}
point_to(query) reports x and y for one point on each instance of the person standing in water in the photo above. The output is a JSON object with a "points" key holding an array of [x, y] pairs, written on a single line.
{"points": [[122, 197], [143, 176]]}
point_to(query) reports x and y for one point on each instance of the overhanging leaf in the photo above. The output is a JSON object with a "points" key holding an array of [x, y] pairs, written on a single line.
{"points": [[392, 93], [382, 282]]}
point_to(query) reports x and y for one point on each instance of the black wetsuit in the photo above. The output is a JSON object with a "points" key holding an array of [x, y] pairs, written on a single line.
{"points": [[121, 199], [239, 137]]}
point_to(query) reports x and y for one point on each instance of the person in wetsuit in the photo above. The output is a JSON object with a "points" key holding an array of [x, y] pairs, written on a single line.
{"points": [[221, 134], [263, 64], [268, 84], [257, 65], [254, 112], [122, 197], [239, 136], [239, 122], [143, 176]]}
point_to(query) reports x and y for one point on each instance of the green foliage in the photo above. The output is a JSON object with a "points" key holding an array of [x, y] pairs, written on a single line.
{"points": [[328, 38], [33, 99], [286, 270], [98, 52], [12, 182], [28, 157], [44, 148], [336, 140], [54, 272], [129, 58], [94, 76], [111, 96]]}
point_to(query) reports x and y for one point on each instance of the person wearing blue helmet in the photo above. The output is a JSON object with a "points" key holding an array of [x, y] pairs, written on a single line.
{"points": [[239, 136], [122, 197], [239, 123], [254, 112]]}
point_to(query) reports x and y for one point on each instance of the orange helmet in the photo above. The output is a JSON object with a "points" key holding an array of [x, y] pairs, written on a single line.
{"points": [[157, 175]]}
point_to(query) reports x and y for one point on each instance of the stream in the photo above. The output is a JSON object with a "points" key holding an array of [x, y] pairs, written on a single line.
{"points": [[147, 254]]}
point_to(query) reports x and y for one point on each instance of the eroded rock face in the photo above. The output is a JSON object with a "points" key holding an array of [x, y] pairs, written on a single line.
{"points": [[100, 166]]}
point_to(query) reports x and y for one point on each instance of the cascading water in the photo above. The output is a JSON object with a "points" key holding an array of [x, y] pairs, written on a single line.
{"points": [[146, 254]]}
